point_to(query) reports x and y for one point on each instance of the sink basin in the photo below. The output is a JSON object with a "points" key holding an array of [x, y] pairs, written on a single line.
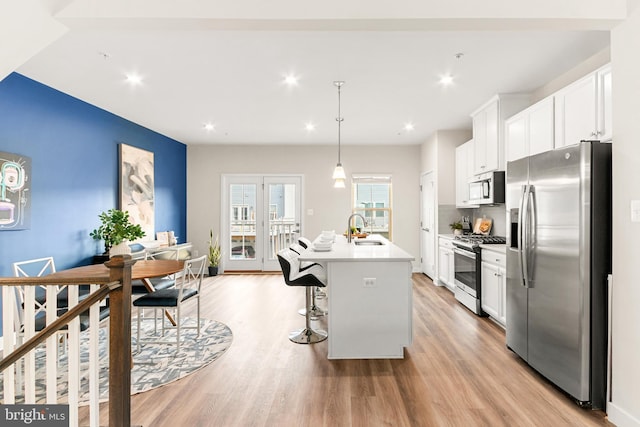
{"points": [[368, 242]]}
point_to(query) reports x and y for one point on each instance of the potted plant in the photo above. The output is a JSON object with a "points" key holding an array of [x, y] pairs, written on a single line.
{"points": [[116, 230], [456, 226], [214, 254]]}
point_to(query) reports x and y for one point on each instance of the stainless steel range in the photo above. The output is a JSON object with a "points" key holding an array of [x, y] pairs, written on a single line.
{"points": [[467, 261]]}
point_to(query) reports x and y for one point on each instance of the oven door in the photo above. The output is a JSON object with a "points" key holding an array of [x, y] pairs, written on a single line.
{"points": [[465, 270]]}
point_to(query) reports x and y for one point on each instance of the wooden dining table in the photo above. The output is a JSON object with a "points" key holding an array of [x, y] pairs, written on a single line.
{"points": [[142, 270]]}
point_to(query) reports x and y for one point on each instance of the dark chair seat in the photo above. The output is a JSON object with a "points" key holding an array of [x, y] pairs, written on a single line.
{"points": [[164, 298], [41, 318]]}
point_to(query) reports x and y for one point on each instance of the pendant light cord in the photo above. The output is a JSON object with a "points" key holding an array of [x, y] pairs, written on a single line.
{"points": [[339, 119]]}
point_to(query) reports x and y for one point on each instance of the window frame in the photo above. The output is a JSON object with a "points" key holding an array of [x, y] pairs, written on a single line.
{"points": [[373, 212]]}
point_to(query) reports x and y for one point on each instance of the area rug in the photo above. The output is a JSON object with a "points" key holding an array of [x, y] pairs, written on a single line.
{"points": [[155, 365]]}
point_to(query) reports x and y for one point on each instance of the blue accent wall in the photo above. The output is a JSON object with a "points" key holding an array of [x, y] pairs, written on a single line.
{"points": [[73, 148]]}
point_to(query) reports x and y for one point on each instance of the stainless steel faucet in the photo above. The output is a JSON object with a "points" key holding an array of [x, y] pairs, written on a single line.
{"points": [[349, 225]]}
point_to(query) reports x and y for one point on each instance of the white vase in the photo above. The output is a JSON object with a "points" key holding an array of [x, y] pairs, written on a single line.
{"points": [[457, 232], [120, 249]]}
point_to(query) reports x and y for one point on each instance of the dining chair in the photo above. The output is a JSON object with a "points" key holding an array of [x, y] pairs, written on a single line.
{"points": [[187, 287], [42, 294]]}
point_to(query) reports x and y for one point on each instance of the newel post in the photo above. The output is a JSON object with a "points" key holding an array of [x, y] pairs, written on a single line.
{"points": [[120, 342]]}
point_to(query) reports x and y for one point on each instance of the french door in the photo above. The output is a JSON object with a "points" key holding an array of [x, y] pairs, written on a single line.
{"points": [[261, 214]]}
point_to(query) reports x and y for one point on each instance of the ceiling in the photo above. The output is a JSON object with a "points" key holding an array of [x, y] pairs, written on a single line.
{"points": [[234, 78]]}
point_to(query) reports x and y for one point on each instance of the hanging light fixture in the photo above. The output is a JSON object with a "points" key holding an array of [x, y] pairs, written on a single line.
{"points": [[338, 173]]}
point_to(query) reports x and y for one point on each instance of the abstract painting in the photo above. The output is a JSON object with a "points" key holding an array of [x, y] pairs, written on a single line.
{"points": [[15, 183], [137, 187]]}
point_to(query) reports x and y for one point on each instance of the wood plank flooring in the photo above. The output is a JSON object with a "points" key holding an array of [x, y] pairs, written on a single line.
{"points": [[457, 372]]}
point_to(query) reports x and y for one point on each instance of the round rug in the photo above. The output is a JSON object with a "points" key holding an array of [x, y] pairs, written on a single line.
{"points": [[154, 366]]}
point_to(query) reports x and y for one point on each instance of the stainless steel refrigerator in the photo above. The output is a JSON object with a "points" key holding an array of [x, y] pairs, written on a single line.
{"points": [[558, 259]]}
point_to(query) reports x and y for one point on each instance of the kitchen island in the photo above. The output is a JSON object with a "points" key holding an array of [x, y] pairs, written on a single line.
{"points": [[369, 294]]}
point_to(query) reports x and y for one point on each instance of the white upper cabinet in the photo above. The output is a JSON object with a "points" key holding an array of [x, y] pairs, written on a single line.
{"points": [[464, 170], [485, 137], [583, 109], [604, 109], [531, 131], [488, 130]]}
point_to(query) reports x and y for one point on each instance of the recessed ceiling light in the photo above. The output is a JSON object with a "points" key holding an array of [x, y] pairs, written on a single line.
{"points": [[134, 79], [408, 127], [310, 127], [291, 80], [209, 127], [446, 80]]}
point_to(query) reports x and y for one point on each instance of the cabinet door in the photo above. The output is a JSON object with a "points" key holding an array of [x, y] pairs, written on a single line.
{"points": [[486, 139], [516, 137], [443, 265], [491, 290], [541, 130], [492, 144], [502, 277], [576, 112], [452, 271], [605, 132], [479, 142], [462, 189]]}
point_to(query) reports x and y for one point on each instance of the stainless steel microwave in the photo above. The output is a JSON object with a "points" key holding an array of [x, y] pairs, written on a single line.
{"points": [[487, 188]]}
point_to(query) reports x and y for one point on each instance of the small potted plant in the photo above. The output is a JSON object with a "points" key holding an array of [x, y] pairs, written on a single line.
{"points": [[116, 230], [456, 226], [214, 254]]}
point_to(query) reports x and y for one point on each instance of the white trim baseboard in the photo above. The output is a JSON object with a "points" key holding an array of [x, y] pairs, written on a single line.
{"points": [[620, 417]]}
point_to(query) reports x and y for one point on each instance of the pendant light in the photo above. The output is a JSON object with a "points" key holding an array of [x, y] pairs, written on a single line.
{"points": [[338, 173]]}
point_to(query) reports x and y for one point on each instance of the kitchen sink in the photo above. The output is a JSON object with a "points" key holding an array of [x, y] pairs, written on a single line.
{"points": [[368, 242]]}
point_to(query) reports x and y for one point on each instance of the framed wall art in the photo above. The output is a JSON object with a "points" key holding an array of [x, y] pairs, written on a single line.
{"points": [[137, 187], [15, 186]]}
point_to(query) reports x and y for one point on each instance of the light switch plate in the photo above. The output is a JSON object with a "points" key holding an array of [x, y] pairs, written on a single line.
{"points": [[369, 282]]}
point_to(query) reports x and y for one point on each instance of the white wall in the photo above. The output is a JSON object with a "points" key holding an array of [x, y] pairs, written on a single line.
{"points": [[206, 165], [624, 409]]}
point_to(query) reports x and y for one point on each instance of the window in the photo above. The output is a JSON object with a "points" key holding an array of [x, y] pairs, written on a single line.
{"points": [[240, 213], [371, 196]]}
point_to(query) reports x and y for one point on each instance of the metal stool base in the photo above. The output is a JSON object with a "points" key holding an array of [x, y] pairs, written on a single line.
{"points": [[307, 336], [314, 313]]}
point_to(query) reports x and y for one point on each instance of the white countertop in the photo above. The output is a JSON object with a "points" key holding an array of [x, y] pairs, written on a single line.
{"points": [[447, 236], [343, 251]]}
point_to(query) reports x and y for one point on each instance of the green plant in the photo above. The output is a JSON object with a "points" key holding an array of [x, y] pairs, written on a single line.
{"points": [[115, 228], [215, 252], [457, 225]]}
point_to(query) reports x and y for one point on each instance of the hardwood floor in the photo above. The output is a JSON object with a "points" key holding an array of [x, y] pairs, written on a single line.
{"points": [[458, 371]]}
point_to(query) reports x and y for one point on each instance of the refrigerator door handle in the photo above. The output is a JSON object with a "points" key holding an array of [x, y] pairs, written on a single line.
{"points": [[523, 234], [531, 233]]}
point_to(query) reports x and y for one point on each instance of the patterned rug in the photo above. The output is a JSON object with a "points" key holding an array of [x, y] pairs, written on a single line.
{"points": [[155, 365]]}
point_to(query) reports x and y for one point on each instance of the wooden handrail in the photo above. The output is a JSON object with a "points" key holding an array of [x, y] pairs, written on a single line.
{"points": [[58, 324]]}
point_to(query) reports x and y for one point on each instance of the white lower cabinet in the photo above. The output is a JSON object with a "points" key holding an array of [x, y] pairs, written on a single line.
{"points": [[494, 289], [445, 263]]}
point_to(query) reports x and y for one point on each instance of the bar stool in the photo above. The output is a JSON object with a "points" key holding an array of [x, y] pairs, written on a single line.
{"points": [[309, 277], [306, 243], [315, 310]]}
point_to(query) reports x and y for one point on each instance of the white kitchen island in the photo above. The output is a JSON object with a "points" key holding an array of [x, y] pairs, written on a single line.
{"points": [[369, 293]]}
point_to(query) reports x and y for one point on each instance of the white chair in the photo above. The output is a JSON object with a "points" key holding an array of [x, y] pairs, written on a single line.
{"points": [[187, 287], [44, 295]]}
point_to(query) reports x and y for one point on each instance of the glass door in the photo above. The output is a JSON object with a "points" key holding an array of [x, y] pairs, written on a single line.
{"points": [[260, 216], [282, 214]]}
